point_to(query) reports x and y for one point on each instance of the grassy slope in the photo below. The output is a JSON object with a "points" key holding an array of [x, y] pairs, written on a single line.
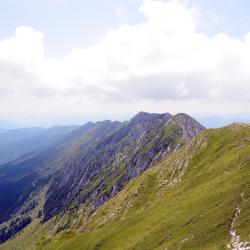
{"points": [[27, 238], [169, 208]]}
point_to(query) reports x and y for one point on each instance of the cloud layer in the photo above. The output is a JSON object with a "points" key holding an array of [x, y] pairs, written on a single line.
{"points": [[161, 61]]}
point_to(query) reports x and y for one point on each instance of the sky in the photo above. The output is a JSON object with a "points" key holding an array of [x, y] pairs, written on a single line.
{"points": [[70, 61]]}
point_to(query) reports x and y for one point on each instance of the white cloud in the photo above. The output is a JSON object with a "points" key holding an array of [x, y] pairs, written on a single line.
{"points": [[158, 61]]}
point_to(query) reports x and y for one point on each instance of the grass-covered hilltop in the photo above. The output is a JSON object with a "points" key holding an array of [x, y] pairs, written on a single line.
{"points": [[193, 194]]}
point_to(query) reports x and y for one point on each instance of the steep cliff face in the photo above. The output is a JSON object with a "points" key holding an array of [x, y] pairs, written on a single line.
{"points": [[100, 167]]}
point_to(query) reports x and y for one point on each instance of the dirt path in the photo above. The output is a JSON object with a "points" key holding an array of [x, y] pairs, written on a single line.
{"points": [[236, 244]]}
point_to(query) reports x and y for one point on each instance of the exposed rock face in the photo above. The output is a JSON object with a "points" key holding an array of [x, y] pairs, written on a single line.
{"points": [[99, 164], [189, 126]]}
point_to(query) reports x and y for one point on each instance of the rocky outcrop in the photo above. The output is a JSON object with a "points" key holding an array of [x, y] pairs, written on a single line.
{"points": [[189, 126], [236, 244]]}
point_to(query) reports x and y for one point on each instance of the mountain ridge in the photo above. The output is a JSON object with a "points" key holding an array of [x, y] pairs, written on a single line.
{"points": [[189, 200], [135, 131], [88, 167]]}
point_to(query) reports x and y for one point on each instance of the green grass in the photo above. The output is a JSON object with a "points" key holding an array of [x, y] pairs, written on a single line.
{"points": [[185, 202], [27, 238]]}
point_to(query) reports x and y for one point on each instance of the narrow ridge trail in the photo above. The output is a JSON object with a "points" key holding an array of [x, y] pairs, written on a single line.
{"points": [[235, 238]]}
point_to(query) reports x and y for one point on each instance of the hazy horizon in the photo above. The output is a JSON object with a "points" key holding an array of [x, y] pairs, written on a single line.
{"points": [[207, 121]]}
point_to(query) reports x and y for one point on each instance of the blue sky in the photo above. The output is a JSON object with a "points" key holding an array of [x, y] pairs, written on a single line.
{"points": [[69, 61], [66, 24], [79, 23], [229, 16]]}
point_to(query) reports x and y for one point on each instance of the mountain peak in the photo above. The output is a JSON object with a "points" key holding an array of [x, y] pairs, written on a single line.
{"points": [[190, 127], [144, 116]]}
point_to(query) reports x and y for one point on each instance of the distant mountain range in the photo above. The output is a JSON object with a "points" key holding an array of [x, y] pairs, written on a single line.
{"points": [[158, 181], [17, 142]]}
